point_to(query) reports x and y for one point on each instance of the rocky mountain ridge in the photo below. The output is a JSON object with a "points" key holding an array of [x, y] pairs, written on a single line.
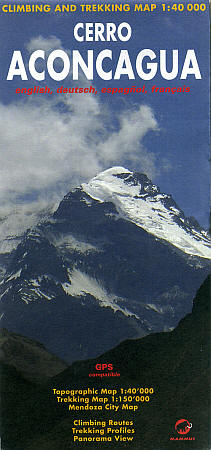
{"points": [[104, 268]]}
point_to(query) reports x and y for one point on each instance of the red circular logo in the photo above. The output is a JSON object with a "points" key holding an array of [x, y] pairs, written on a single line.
{"points": [[182, 426]]}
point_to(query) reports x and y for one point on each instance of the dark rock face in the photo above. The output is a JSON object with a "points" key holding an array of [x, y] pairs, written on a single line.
{"points": [[87, 278], [176, 364]]}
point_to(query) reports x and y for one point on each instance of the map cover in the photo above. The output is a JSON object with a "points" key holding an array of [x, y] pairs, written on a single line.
{"points": [[104, 225]]}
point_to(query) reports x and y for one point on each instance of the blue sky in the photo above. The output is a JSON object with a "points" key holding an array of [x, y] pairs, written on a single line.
{"points": [[52, 144]]}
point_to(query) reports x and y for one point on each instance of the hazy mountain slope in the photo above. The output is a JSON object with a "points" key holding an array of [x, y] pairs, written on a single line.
{"points": [[30, 358]]}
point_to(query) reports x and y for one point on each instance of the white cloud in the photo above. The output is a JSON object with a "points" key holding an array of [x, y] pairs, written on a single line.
{"points": [[41, 43], [51, 144], [46, 151], [125, 144]]}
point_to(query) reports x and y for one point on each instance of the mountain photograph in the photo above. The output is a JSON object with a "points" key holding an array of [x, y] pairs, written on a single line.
{"points": [[110, 275], [118, 259], [105, 253]]}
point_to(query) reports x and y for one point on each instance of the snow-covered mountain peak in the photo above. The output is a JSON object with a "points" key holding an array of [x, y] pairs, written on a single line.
{"points": [[107, 258], [118, 180], [138, 200], [110, 183], [116, 170]]}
